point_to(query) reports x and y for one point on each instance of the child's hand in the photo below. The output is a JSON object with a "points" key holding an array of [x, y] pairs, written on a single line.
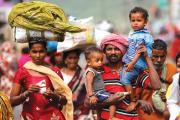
{"points": [[129, 67], [131, 106], [93, 100]]}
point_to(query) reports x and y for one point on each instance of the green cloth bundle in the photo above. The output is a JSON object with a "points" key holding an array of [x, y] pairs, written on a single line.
{"points": [[37, 15]]}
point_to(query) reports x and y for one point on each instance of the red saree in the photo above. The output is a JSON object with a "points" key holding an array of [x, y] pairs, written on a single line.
{"points": [[37, 107]]}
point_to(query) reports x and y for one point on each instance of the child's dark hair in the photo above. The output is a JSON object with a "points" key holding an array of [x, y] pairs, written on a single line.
{"points": [[139, 10], [90, 50], [177, 56]]}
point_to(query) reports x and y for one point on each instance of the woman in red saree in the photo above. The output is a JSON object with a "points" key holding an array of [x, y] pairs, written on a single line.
{"points": [[35, 89]]}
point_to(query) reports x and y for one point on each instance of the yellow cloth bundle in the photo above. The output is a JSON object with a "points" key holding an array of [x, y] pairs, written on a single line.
{"points": [[5, 108], [59, 86], [37, 15]]}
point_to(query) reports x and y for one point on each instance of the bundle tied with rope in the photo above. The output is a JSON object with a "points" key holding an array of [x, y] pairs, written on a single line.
{"points": [[39, 19]]}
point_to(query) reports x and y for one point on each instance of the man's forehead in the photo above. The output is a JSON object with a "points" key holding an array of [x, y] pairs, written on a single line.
{"points": [[111, 46], [158, 52]]}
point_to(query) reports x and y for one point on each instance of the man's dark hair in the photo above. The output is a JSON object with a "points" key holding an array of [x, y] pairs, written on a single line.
{"points": [[139, 10], [177, 56], [90, 50], [159, 45]]}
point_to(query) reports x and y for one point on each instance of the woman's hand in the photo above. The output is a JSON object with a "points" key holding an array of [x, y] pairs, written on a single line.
{"points": [[33, 88], [50, 94], [56, 97]]}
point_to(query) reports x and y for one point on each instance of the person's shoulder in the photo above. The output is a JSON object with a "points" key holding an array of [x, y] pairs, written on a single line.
{"points": [[55, 68], [171, 67], [141, 34], [21, 74], [89, 69], [21, 70]]}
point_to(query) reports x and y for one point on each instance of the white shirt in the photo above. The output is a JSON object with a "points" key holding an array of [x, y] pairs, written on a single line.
{"points": [[174, 98], [67, 78]]}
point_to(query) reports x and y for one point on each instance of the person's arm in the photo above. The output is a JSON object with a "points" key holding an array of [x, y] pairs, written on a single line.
{"points": [[16, 97], [155, 83], [130, 66], [89, 87], [89, 81], [154, 77]]}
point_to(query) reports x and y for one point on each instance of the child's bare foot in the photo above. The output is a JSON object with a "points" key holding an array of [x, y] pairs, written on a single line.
{"points": [[131, 106]]}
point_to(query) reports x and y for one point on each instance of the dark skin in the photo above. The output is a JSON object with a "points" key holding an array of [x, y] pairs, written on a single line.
{"points": [[114, 57], [19, 95]]}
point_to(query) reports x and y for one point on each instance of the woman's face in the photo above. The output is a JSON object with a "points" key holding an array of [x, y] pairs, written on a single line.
{"points": [[71, 60], [38, 53], [178, 65], [58, 58]]}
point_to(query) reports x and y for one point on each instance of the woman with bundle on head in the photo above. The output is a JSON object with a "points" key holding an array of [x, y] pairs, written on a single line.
{"points": [[40, 87]]}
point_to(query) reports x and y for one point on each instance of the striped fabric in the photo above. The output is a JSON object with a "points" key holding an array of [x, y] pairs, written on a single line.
{"points": [[112, 84]]}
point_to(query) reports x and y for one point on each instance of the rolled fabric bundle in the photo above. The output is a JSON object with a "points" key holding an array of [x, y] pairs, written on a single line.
{"points": [[22, 35], [41, 16]]}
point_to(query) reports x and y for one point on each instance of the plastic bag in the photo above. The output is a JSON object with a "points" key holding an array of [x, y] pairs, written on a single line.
{"points": [[78, 40]]}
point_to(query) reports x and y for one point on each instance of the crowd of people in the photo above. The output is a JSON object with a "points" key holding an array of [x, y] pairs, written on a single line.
{"points": [[124, 79]]}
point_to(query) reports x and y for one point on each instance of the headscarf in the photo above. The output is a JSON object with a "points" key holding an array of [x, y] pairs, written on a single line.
{"points": [[116, 40]]}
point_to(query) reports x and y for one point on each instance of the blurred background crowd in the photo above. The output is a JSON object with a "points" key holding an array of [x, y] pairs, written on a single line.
{"points": [[107, 15]]}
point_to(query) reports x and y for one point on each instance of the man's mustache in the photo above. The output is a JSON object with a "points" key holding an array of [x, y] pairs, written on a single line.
{"points": [[113, 56], [158, 64]]}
